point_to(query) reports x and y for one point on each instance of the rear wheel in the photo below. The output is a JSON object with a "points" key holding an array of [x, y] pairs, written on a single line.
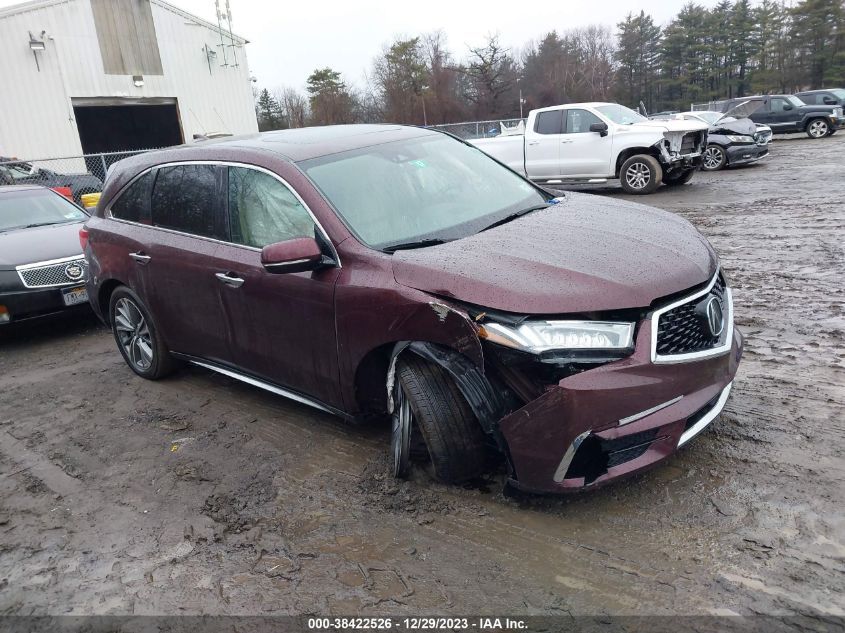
{"points": [[714, 158], [818, 128], [680, 177], [428, 398], [640, 174], [137, 337]]}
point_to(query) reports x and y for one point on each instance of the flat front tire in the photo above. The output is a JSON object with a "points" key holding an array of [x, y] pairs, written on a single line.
{"points": [[137, 337], [818, 128], [640, 174], [437, 408]]}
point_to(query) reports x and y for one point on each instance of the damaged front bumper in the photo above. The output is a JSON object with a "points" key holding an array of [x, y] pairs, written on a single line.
{"points": [[681, 149], [616, 419]]}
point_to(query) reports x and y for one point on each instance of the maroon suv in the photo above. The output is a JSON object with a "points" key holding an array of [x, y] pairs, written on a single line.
{"points": [[375, 269]]}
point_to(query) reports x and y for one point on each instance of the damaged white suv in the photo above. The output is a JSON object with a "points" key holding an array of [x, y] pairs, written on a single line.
{"points": [[596, 142]]}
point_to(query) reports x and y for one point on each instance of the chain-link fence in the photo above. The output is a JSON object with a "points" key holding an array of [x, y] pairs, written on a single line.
{"points": [[483, 129], [711, 106], [74, 175]]}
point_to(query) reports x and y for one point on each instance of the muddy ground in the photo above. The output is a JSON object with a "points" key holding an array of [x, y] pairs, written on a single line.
{"points": [[199, 494]]}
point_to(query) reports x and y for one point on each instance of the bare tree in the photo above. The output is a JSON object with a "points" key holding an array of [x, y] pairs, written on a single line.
{"points": [[492, 74]]}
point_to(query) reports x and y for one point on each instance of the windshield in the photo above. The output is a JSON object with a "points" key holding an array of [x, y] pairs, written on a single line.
{"points": [[13, 172], [433, 187], [839, 93], [36, 207], [795, 101], [620, 114]]}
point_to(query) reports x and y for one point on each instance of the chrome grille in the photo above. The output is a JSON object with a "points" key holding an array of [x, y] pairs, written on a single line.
{"points": [[685, 329], [54, 274]]}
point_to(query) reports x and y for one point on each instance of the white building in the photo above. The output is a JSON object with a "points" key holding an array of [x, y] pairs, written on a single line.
{"points": [[88, 76]]}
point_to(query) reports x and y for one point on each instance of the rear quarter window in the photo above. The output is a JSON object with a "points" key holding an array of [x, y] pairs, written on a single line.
{"points": [[185, 199], [134, 203], [550, 122]]}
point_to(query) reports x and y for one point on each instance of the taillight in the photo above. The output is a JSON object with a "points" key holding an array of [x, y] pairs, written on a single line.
{"points": [[83, 238]]}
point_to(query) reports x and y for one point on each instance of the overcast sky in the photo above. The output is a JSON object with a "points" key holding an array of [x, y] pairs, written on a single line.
{"points": [[290, 38]]}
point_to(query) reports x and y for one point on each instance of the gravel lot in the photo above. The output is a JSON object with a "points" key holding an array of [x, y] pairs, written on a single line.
{"points": [[199, 494]]}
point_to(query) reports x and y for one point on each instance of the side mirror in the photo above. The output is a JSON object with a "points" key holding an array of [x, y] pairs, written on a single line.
{"points": [[601, 128], [292, 256], [787, 106]]}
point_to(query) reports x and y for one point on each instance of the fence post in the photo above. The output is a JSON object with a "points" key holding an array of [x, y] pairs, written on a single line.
{"points": [[105, 169]]}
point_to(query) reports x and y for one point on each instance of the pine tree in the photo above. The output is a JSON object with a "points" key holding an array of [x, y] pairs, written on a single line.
{"points": [[269, 112], [637, 57]]}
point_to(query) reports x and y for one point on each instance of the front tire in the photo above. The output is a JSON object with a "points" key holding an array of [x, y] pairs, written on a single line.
{"points": [[640, 174], [818, 128], [714, 158], [137, 337], [680, 178], [451, 432]]}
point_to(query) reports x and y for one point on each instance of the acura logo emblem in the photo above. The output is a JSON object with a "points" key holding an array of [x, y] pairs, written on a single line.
{"points": [[74, 272], [715, 316]]}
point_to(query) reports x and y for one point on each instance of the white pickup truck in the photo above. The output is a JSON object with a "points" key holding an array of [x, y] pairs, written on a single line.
{"points": [[594, 142]]}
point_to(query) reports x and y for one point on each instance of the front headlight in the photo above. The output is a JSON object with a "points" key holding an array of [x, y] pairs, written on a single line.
{"points": [[741, 139], [541, 336]]}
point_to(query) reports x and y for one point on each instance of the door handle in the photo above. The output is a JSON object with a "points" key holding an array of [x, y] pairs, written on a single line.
{"points": [[140, 258], [230, 279], [567, 141], [534, 143]]}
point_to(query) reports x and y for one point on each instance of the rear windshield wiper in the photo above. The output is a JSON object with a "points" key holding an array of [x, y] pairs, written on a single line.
{"points": [[514, 216], [405, 246]]}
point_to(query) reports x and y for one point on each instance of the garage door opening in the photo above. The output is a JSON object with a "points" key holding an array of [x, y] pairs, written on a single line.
{"points": [[123, 127]]}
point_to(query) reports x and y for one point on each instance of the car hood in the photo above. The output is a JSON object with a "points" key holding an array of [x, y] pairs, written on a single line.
{"points": [[667, 125], [738, 126], [39, 244], [743, 110], [585, 254]]}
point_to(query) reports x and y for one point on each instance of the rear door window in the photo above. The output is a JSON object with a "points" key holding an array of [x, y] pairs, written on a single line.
{"points": [[264, 211], [185, 199], [549, 122], [134, 203]]}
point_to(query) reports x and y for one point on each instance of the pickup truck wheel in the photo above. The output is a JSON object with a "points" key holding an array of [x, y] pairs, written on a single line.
{"points": [[436, 406], [714, 158], [640, 174], [680, 178], [817, 128]]}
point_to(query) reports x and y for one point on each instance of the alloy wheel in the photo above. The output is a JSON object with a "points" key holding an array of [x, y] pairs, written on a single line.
{"points": [[400, 438], [818, 129], [637, 175], [712, 158], [133, 334]]}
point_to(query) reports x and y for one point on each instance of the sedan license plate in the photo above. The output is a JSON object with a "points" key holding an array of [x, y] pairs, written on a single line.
{"points": [[75, 296]]}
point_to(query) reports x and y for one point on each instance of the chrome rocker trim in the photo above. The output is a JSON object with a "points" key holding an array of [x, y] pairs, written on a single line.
{"points": [[265, 385]]}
